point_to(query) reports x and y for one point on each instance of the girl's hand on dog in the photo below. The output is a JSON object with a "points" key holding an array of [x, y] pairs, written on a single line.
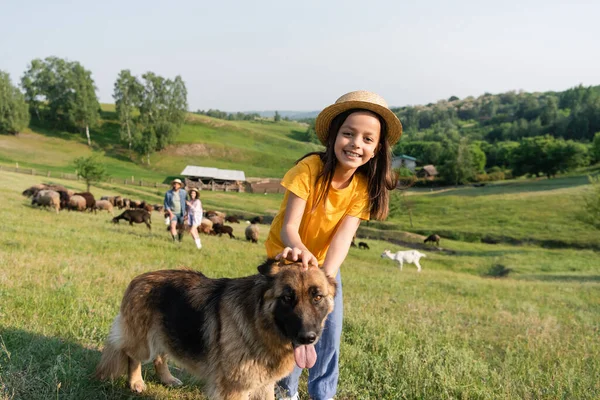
{"points": [[298, 254]]}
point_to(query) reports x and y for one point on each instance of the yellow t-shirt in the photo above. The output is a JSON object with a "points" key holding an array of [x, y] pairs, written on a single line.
{"points": [[318, 227]]}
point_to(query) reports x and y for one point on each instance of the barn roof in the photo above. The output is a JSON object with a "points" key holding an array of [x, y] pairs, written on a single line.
{"points": [[405, 157], [430, 169], [214, 173]]}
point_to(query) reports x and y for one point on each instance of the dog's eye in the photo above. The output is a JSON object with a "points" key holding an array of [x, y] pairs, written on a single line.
{"points": [[317, 298], [287, 299]]}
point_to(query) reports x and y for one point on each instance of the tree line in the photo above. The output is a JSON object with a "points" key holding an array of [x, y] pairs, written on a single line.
{"points": [[238, 116], [61, 94], [509, 134]]}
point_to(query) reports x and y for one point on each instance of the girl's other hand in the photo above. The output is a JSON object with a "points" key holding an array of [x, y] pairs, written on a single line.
{"points": [[297, 254]]}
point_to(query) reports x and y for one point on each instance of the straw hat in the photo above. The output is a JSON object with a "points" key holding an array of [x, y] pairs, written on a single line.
{"points": [[190, 190], [359, 99], [177, 180]]}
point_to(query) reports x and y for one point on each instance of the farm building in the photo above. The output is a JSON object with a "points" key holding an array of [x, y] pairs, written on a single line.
{"points": [[428, 172], [404, 161], [201, 177]]}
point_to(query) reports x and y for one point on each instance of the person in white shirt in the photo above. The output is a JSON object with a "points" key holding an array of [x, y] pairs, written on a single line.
{"points": [[194, 212]]}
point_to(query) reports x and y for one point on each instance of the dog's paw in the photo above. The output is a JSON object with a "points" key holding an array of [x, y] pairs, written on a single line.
{"points": [[173, 382], [137, 386]]}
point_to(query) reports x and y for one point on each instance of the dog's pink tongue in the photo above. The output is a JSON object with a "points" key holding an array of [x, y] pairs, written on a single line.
{"points": [[305, 356]]}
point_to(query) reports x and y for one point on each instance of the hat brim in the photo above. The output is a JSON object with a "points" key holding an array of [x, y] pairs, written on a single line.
{"points": [[323, 121]]}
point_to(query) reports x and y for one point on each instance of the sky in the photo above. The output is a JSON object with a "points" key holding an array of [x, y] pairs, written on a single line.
{"points": [[302, 55]]}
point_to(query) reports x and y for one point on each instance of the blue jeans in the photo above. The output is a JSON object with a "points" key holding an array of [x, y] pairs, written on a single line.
{"points": [[323, 376]]}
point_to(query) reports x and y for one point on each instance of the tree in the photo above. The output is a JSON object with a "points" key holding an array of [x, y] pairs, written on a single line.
{"points": [[478, 157], [14, 114], [162, 106], [547, 155], [457, 162], [83, 108], [61, 92], [277, 117], [90, 169], [127, 93], [595, 150]]}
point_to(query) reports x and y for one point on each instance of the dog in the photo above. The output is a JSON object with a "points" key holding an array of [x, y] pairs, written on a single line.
{"points": [[239, 335], [408, 256], [363, 245]]}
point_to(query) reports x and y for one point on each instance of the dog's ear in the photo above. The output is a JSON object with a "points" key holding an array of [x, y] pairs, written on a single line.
{"points": [[269, 268], [332, 285]]}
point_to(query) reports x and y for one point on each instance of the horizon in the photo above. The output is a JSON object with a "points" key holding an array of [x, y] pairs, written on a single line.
{"points": [[273, 56]]}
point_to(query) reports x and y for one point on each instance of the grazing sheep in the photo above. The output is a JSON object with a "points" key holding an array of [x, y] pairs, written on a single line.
{"points": [[433, 238], [256, 220], [111, 199], [220, 229], [47, 198], [104, 205], [252, 233], [64, 199], [408, 256], [216, 219], [135, 204], [137, 216], [148, 207], [90, 202], [211, 213], [158, 207], [76, 203], [33, 190], [233, 219], [118, 202], [363, 245]]}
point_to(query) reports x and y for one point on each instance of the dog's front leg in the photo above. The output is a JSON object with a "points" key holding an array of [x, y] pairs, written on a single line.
{"points": [[136, 382]]}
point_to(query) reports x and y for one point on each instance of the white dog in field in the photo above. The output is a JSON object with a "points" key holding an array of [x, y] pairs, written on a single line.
{"points": [[408, 256]]}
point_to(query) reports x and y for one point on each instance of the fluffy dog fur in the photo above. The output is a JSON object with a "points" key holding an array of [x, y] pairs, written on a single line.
{"points": [[239, 335]]}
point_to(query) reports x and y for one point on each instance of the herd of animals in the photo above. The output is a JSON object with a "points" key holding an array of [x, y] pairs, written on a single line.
{"points": [[59, 198]]}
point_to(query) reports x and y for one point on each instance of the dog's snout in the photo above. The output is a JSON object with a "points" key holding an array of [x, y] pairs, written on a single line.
{"points": [[307, 338]]}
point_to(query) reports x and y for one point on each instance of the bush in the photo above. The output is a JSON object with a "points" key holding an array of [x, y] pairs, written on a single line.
{"points": [[482, 178], [497, 271], [497, 176]]}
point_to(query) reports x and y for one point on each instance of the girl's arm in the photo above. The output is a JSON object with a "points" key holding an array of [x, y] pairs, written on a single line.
{"points": [[290, 235], [340, 244]]}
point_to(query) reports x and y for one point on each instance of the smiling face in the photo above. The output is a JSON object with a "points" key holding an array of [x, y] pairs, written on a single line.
{"points": [[357, 140]]}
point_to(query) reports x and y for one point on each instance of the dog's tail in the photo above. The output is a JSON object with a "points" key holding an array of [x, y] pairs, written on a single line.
{"points": [[114, 360]]}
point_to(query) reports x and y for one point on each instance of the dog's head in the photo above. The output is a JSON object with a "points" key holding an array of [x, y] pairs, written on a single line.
{"points": [[299, 302]]}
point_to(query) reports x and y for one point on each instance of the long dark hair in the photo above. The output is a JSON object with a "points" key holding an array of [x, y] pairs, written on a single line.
{"points": [[378, 170]]}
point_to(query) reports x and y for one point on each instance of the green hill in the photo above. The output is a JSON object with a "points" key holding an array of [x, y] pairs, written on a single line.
{"points": [[260, 148]]}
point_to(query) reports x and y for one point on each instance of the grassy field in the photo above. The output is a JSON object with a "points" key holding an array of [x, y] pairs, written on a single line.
{"points": [[259, 148], [446, 333]]}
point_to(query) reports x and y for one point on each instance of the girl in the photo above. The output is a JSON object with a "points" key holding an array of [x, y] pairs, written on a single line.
{"points": [[194, 209], [328, 194]]}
